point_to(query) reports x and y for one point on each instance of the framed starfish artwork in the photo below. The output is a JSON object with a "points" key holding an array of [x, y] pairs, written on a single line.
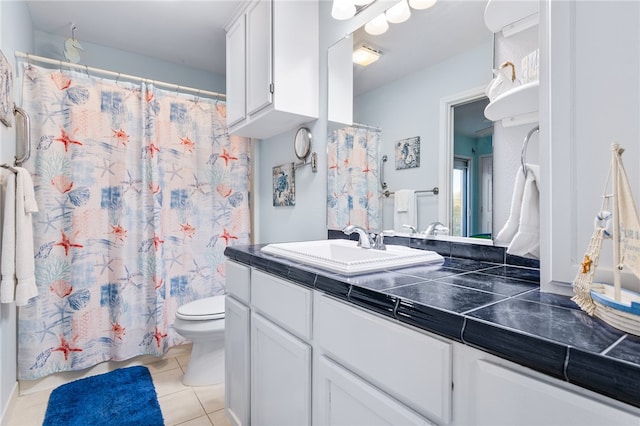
{"points": [[6, 91], [284, 185], [408, 153]]}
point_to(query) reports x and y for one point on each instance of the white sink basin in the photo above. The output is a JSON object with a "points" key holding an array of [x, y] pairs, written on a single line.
{"points": [[345, 257]]}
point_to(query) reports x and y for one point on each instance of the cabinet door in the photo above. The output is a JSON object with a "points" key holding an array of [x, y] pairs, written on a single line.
{"points": [[506, 397], [345, 399], [259, 52], [237, 373], [411, 366], [236, 72], [280, 376]]}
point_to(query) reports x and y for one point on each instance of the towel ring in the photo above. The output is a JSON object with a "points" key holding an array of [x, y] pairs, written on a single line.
{"points": [[523, 154]]}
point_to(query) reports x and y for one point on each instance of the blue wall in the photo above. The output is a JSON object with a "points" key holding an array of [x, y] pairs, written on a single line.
{"points": [[16, 33]]}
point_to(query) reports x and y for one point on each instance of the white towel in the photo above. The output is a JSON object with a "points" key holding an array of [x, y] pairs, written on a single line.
{"points": [[8, 260], [17, 264], [405, 210], [526, 242], [510, 228]]}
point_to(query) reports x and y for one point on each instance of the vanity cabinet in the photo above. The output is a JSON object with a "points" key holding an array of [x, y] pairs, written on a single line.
{"points": [[280, 351], [492, 391], [237, 344], [296, 356], [390, 373], [343, 398], [281, 375], [272, 67]]}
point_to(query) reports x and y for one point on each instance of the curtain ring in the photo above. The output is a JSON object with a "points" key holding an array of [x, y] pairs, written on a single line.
{"points": [[117, 78], [86, 69]]}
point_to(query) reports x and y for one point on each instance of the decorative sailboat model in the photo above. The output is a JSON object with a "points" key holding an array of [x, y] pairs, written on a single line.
{"points": [[615, 305]]}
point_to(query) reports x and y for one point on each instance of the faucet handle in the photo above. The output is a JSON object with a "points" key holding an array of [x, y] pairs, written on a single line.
{"points": [[379, 242]]}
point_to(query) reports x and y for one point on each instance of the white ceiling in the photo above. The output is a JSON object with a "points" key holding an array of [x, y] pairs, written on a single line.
{"points": [[184, 32], [429, 37]]}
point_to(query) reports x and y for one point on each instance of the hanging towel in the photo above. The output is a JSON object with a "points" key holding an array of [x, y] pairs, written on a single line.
{"points": [[526, 242], [8, 260], [404, 211], [17, 264], [510, 228]]}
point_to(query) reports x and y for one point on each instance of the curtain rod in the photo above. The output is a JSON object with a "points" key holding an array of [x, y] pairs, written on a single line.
{"points": [[364, 126], [171, 86]]}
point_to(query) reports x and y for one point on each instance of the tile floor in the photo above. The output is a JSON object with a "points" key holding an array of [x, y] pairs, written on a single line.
{"points": [[181, 405]]}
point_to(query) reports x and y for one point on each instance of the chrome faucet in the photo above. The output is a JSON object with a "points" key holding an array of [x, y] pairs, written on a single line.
{"points": [[411, 228], [365, 239], [436, 228]]}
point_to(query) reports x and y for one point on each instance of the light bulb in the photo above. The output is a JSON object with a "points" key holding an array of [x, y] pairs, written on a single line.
{"points": [[399, 12], [343, 9], [377, 25], [422, 4]]}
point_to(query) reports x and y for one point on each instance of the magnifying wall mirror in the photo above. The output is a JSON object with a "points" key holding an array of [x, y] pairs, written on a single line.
{"points": [[302, 143]]}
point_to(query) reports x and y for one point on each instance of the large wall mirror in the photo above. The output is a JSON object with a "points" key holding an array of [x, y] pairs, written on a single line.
{"points": [[427, 83]]}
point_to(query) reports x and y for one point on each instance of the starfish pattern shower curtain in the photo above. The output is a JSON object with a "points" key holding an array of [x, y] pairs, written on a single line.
{"points": [[139, 190], [353, 194]]}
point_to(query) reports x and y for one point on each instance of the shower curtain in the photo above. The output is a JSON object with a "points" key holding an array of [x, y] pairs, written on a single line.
{"points": [[353, 195], [139, 190]]}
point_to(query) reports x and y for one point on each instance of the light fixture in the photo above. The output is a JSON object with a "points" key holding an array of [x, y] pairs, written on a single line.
{"points": [[365, 55], [377, 25], [398, 13], [343, 9], [422, 4]]}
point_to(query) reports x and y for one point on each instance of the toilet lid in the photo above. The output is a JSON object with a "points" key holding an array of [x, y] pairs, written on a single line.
{"points": [[202, 309]]}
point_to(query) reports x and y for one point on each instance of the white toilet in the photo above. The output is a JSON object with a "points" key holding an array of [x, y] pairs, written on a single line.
{"points": [[202, 322]]}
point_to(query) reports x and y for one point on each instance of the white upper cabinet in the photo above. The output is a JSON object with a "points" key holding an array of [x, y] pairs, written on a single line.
{"points": [[236, 81], [272, 67]]}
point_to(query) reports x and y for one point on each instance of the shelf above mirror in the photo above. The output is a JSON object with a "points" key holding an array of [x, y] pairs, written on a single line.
{"points": [[516, 106], [510, 16]]}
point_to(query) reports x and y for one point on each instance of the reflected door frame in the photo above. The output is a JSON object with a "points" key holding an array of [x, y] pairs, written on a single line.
{"points": [[445, 207]]}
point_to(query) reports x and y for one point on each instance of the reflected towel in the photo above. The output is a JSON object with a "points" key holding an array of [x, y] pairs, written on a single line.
{"points": [[405, 209]]}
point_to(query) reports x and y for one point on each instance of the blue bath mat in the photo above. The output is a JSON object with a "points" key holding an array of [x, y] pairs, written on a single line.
{"points": [[121, 397]]}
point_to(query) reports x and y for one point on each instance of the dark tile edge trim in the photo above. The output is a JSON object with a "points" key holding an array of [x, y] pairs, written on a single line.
{"points": [[606, 376], [533, 352]]}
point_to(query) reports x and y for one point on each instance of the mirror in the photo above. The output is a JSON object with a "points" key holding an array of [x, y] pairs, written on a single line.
{"points": [[423, 61], [302, 143]]}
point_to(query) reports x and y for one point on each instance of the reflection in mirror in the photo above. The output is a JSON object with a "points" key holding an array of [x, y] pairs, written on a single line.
{"points": [[440, 51], [472, 177]]}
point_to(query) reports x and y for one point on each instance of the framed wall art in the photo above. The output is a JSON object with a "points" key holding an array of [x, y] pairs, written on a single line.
{"points": [[408, 153], [284, 185], [6, 91]]}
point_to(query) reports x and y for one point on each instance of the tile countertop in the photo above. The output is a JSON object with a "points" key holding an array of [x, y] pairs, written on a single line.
{"points": [[493, 303]]}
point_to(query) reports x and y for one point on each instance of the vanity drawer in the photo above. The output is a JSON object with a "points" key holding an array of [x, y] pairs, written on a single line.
{"points": [[409, 365], [238, 281], [285, 303]]}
